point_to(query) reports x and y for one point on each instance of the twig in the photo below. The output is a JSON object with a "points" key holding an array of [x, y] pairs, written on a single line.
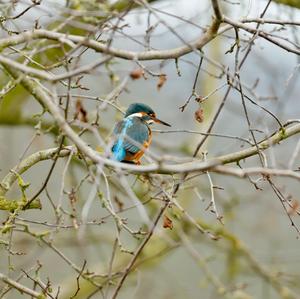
{"points": [[242, 173], [212, 203], [261, 34], [77, 280], [138, 251]]}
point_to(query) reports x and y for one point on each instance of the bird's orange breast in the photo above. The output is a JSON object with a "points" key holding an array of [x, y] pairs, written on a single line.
{"points": [[138, 155]]}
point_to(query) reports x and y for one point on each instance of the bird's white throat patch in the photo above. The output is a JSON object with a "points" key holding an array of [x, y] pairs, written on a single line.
{"points": [[150, 121], [138, 114]]}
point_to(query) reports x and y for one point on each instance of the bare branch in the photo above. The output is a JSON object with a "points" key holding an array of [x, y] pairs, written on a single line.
{"points": [[243, 173], [262, 34], [27, 163], [101, 47], [21, 288], [217, 10], [138, 251], [163, 167]]}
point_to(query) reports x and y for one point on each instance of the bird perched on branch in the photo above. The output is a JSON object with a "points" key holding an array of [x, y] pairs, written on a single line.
{"points": [[133, 134]]}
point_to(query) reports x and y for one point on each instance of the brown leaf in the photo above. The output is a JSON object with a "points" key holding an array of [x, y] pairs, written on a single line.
{"points": [[167, 222], [136, 74], [161, 81], [199, 115], [81, 113], [294, 207]]}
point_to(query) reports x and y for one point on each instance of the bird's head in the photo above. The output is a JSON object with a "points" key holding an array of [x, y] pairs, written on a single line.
{"points": [[145, 112]]}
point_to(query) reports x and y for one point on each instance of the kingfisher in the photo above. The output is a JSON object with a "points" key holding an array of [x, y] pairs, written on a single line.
{"points": [[133, 134]]}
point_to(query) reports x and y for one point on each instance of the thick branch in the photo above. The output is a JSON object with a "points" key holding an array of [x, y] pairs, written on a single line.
{"points": [[217, 10], [21, 288], [73, 40], [30, 85], [163, 167], [38, 92], [12, 205], [27, 163], [263, 145], [41, 74]]}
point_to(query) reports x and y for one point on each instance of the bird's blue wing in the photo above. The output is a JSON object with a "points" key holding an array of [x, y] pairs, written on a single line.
{"points": [[139, 133], [125, 131]]}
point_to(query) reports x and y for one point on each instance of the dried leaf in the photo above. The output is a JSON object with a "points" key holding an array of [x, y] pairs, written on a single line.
{"points": [[137, 74], [167, 222], [81, 113], [161, 81], [294, 208], [199, 115]]}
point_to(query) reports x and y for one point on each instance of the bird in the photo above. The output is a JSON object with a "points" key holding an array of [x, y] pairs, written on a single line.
{"points": [[132, 135]]}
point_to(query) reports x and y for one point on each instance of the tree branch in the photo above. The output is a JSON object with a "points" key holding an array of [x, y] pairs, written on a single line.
{"points": [[138, 251], [240, 247], [73, 40], [217, 10], [27, 163], [12, 205], [41, 74], [260, 33], [21, 288], [242, 173], [163, 167]]}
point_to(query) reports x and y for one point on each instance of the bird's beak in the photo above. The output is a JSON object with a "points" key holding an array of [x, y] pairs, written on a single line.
{"points": [[160, 121]]}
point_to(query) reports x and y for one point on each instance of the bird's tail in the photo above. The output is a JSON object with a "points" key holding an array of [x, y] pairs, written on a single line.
{"points": [[118, 152]]}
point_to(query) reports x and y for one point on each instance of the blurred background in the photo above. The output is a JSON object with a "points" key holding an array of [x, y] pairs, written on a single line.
{"points": [[257, 234]]}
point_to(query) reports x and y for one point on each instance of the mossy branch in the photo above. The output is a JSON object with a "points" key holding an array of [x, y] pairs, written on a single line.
{"points": [[12, 205], [27, 163]]}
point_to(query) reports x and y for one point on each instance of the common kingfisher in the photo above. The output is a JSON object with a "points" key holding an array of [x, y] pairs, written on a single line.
{"points": [[133, 134]]}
